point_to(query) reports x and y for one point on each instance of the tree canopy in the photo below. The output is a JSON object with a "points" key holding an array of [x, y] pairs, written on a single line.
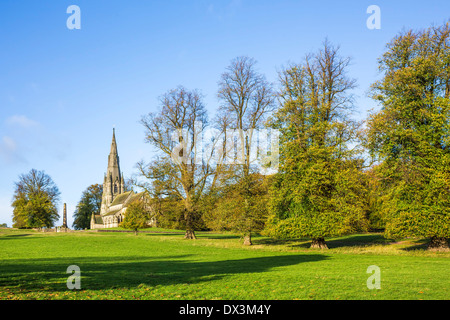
{"points": [[90, 203], [409, 137], [35, 201], [318, 191], [137, 216]]}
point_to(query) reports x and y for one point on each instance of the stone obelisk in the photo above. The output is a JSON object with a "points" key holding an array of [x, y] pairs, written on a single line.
{"points": [[65, 217]]}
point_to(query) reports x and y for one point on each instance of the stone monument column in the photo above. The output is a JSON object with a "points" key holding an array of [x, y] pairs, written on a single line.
{"points": [[65, 217]]}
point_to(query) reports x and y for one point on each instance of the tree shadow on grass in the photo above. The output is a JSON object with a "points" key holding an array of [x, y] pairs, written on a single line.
{"points": [[360, 240], [276, 242], [16, 236], [200, 235], [100, 273], [217, 236], [160, 234], [417, 244]]}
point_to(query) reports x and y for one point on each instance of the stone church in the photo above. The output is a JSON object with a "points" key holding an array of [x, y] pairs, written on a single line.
{"points": [[115, 199]]}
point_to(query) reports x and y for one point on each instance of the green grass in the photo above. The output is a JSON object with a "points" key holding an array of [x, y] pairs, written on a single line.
{"points": [[215, 266]]}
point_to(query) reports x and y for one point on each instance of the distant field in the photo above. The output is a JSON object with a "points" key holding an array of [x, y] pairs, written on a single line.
{"points": [[215, 266]]}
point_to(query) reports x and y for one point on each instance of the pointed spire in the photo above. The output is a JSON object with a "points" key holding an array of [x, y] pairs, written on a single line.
{"points": [[113, 143], [113, 174]]}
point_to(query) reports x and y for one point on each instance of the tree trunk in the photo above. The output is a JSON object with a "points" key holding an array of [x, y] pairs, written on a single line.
{"points": [[438, 244], [190, 234], [319, 243], [189, 228], [188, 216], [248, 239]]}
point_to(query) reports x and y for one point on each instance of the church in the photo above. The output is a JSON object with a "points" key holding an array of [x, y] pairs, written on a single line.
{"points": [[115, 199]]}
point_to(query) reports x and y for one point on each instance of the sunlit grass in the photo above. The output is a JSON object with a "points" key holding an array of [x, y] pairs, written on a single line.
{"points": [[215, 266]]}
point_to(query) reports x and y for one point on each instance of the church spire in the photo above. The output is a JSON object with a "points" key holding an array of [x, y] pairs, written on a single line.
{"points": [[113, 179], [113, 159], [113, 143]]}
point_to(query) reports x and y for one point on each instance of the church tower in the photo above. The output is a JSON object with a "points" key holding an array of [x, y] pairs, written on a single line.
{"points": [[113, 183]]}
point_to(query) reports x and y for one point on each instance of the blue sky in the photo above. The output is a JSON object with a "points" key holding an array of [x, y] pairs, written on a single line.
{"points": [[62, 91]]}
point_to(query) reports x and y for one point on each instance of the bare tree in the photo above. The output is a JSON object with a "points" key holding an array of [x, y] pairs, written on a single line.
{"points": [[176, 132], [246, 100]]}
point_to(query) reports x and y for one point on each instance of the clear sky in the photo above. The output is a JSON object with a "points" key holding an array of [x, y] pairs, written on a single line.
{"points": [[62, 91]]}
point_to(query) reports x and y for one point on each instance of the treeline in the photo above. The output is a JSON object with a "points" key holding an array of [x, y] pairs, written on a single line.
{"points": [[335, 175]]}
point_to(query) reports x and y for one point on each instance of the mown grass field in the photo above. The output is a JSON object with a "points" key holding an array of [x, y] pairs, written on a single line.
{"points": [[215, 266]]}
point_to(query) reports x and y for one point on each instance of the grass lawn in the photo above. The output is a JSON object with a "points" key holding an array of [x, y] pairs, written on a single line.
{"points": [[215, 266]]}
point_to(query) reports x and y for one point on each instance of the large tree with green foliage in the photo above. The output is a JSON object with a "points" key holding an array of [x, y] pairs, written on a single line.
{"points": [[137, 217], [35, 201], [239, 207], [89, 204], [410, 135], [318, 191]]}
